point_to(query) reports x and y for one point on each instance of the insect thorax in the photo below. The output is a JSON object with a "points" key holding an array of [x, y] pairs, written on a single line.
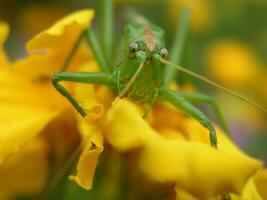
{"points": [[150, 39]]}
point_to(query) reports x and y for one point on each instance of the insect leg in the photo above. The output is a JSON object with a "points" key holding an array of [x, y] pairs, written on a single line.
{"points": [[181, 103], [202, 98], [178, 44], [106, 30], [79, 77]]}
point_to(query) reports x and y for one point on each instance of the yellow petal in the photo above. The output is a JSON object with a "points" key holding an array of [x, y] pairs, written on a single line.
{"points": [[201, 13], [126, 130], [90, 128], [4, 31], [63, 33], [91, 132], [27, 172], [25, 110], [86, 94], [196, 132], [50, 48], [189, 163], [233, 63], [249, 192], [185, 162], [261, 183], [88, 159], [35, 17], [92, 141], [183, 195]]}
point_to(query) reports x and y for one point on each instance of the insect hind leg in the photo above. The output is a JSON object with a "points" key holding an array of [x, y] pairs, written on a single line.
{"points": [[203, 98], [190, 109]]}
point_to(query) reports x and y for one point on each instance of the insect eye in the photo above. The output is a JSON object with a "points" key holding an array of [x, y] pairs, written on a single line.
{"points": [[133, 47], [164, 53]]}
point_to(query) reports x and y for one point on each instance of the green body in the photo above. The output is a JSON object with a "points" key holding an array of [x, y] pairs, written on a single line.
{"points": [[139, 74], [152, 74], [151, 83]]}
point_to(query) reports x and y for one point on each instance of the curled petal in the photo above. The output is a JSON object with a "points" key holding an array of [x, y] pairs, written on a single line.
{"points": [[63, 33], [88, 160], [194, 166], [197, 168], [86, 94], [49, 49]]}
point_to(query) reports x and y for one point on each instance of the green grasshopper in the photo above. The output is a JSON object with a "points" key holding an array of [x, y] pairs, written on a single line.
{"points": [[140, 69]]}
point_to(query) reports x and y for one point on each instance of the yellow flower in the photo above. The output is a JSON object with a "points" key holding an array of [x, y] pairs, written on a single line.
{"points": [[232, 63], [49, 49], [25, 173], [201, 15], [167, 153], [139, 2], [92, 135], [261, 183], [187, 162], [4, 31], [34, 18], [177, 151], [20, 119], [249, 192], [27, 104]]}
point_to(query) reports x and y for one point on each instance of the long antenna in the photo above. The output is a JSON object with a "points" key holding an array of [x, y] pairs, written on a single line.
{"points": [[126, 88], [212, 83]]}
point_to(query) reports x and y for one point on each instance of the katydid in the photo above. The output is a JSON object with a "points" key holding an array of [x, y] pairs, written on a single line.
{"points": [[140, 69]]}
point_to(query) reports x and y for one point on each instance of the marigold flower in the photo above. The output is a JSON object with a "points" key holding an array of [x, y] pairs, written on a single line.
{"points": [[177, 151], [201, 13], [25, 173], [4, 31], [232, 63], [261, 181], [27, 103], [185, 161], [49, 49]]}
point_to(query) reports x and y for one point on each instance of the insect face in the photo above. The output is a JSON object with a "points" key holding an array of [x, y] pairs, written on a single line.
{"points": [[144, 48]]}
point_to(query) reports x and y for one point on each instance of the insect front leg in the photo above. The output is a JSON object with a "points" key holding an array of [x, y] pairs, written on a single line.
{"points": [[203, 98], [79, 77], [181, 103]]}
